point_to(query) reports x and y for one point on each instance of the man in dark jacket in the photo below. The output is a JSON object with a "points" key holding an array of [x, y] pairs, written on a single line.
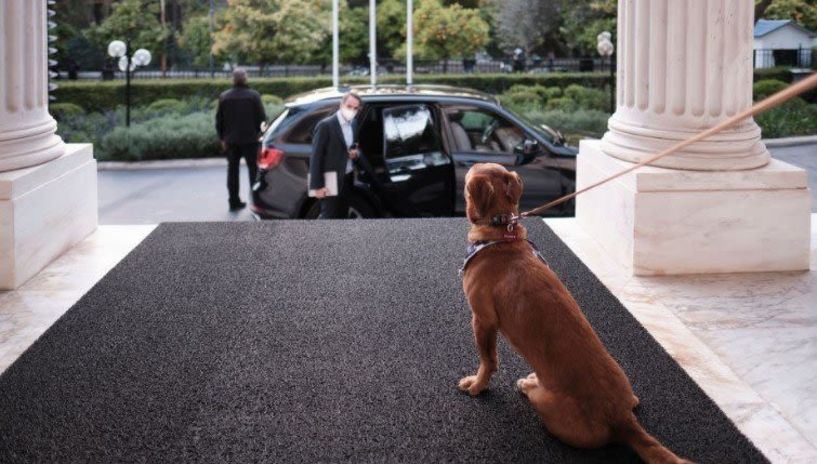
{"points": [[334, 147], [238, 123]]}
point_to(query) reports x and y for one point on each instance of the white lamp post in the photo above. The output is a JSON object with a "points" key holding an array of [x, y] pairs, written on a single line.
{"points": [[128, 63], [606, 49]]}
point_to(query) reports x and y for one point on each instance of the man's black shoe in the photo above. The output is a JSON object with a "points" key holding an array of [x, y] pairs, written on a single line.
{"points": [[235, 206]]}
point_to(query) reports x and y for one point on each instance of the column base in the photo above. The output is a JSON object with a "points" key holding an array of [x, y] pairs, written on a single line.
{"points": [[662, 221], [44, 211]]}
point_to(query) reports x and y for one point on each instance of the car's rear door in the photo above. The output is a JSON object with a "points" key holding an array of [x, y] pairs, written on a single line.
{"points": [[419, 175]]}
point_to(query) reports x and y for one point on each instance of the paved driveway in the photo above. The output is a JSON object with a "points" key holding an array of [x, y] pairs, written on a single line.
{"points": [[804, 156], [150, 196]]}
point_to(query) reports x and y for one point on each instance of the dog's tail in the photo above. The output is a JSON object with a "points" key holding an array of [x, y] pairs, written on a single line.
{"points": [[648, 448]]}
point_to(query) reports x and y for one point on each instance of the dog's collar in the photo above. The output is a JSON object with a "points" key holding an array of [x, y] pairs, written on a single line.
{"points": [[508, 222], [476, 247]]}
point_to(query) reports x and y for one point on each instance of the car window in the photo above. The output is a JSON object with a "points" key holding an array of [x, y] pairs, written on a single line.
{"points": [[482, 130], [302, 132], [411, 139]]}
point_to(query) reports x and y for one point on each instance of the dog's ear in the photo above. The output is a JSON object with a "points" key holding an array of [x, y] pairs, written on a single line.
{"points": [[479, 195], [514, 187]]}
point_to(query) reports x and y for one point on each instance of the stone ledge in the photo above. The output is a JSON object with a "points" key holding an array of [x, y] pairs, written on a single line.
{"points": [[20, 181], [775, 175]]}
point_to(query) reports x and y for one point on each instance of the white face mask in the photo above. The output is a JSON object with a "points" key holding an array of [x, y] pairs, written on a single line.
{"points": [[348, 114]]}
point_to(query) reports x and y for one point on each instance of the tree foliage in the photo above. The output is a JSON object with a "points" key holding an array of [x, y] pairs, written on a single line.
{"points": [[526, 24], [802, 11], [391, 26], [272, 31], [353, 33], [196, 39], [583, 20], [136, 20], [443, 32]]}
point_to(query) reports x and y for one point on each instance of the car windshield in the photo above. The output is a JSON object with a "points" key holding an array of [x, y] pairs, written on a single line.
{"points": [[542, 130]]}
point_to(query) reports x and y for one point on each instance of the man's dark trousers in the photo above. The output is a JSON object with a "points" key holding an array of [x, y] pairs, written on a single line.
{"points": [[248, 151], [338, 207]]}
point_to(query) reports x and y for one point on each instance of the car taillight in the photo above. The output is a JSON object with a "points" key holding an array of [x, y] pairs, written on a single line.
{"points": [[270, 158]]}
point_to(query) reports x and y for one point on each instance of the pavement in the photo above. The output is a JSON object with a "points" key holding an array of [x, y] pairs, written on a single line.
{"points": [[186, 190], [151, 196]]}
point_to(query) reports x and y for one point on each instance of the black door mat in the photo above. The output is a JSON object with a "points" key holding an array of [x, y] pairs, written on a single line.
{"points": [[315, 341]]}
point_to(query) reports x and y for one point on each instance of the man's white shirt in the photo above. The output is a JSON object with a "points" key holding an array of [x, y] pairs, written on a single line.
{"points": [[348, 137]]}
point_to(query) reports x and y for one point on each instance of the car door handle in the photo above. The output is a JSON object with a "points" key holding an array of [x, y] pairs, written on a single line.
{"points": [[400, 175]]}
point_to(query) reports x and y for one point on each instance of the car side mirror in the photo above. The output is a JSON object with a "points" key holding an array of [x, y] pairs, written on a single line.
{"points": [[527, 151], [530, 147]]}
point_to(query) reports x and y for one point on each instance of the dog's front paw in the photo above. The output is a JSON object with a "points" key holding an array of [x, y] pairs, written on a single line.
{"points": [[472, 385]]}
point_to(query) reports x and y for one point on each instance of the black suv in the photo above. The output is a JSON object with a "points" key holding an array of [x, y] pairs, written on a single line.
{"points": [[418, 143]]}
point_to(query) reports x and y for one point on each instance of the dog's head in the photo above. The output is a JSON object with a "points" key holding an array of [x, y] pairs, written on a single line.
{"points": [[491, 189]]}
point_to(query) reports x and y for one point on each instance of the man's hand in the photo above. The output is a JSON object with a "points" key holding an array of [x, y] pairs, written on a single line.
{"points": [[223, 146], [354, 153], [321, 192]]}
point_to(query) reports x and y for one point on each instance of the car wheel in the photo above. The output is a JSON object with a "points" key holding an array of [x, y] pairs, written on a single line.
{"points": [[359, 208]]}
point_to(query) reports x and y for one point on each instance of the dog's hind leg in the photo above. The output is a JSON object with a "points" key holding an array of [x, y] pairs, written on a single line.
{"points": [[563, 417], [527, 383], [485, 338]]}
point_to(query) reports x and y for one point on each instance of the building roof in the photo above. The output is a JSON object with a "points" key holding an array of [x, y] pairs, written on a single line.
{"points": [[766, 26]]}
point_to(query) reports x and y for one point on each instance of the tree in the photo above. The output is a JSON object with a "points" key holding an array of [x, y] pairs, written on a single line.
{"points": [[446, 32], [270, 31], [760, 7], [196, 39], [525, 23], [136, 20], [391, 26], [583, 20], [804, 12], [354, 36]]}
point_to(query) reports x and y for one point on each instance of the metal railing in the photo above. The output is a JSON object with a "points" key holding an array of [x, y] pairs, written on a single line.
{"points": [[385, 67], [793, 58]]}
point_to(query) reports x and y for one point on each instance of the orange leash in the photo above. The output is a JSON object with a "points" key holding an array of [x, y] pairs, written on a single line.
{"points": [[768, 103]]}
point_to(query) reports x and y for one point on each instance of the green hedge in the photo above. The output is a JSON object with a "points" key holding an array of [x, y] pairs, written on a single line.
{"points": [[106, 95], [102, 96], [779, 73], [795, 117]]}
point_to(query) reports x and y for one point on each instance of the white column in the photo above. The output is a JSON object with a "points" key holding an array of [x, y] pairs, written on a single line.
{"points": [[27, 130], [721, 205], [48, 195], [683, 67]]}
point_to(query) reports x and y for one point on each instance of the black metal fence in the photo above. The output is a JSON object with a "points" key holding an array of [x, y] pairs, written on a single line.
{"points": [[385, 67], [793, 58]]}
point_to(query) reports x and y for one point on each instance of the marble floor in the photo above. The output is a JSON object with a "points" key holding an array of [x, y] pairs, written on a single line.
{"points": [[749, 340]]}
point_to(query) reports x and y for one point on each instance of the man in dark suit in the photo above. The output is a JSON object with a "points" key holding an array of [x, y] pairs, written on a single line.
{"points": [[334, 148], [238, 123]]}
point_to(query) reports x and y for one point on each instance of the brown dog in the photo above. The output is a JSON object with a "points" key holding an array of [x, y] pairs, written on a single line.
{"points": [[579, 390]]}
